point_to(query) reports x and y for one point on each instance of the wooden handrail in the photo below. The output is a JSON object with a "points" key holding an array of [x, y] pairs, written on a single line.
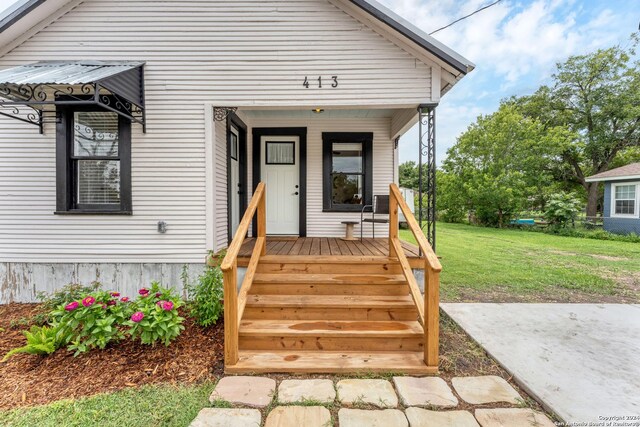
{"points": [[243, 228], [233, 303], [416, 230], [430, 315]]}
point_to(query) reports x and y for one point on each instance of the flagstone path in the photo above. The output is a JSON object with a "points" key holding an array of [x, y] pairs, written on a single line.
{"points": [[243, 401]]}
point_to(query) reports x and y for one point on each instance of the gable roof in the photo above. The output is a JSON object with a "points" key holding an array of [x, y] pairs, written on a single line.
{"points": [[631, 171], [23, 8]]}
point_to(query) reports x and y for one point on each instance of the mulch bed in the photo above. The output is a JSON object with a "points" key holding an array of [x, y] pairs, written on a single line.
{"points": [[196, 355]]}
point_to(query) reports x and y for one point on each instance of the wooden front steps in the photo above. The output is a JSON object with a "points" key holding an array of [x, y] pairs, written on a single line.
{"points": [[329, 362], [329, 314]]}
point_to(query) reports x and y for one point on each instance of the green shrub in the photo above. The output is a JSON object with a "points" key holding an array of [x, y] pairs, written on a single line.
{"points": [[156, 316], [70, 292], [41, 340], [92, 322], [206, 296], [594, 234], [101, 318], [561, 210]]}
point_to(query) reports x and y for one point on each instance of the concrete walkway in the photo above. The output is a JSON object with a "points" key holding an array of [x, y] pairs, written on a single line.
{"points": [[582, 361]]}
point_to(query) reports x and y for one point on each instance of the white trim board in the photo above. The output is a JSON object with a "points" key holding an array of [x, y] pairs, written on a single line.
{"points": [[612, 178]]}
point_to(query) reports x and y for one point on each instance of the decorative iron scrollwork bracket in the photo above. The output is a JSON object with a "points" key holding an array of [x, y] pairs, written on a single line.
{"points": [[35, 104], [427, 176], [220, 114]]}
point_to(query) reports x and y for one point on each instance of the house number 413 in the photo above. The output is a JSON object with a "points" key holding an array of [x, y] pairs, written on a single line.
{"points": [[333, 81]]}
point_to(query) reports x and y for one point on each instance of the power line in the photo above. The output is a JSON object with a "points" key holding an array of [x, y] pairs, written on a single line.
{"points": [[465, 17]]}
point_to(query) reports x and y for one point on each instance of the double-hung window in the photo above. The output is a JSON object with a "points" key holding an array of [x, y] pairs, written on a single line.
{"points": [[93, 162], [625, 200], [347, 171]]}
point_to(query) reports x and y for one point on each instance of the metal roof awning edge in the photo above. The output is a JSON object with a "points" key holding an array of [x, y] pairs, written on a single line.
{"points": [[116, 86], [416, 35]]}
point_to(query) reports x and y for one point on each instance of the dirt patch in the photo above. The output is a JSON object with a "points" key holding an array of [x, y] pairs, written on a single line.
{"points": [[608, 257], [196, 355], [596, 256], [624, 294]]}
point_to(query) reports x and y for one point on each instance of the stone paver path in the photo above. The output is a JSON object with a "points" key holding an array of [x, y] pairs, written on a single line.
{"points": [[256, 392], [366, 403], [378, 418], [419, 417], [308, 416], [487, 389], [512, 417], [225, 417], [379, 393], [429, 391], [300, 390]]}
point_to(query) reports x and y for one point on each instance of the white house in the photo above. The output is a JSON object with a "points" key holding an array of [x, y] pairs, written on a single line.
{"points": [[145, 125]]}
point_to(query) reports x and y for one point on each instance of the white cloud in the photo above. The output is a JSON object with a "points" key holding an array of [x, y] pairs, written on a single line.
{"points": [[514, 45]]}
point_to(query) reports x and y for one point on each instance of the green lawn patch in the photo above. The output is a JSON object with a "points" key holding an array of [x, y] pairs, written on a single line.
{"points": [[488, 264], [151, 406]]}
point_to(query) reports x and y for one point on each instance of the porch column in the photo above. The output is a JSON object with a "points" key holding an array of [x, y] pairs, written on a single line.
{"points": [[427, 174]]}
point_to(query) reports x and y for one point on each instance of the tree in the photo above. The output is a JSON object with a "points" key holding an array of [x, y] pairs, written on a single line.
{"points": [[408, 175], [500, 164], [597, 98]]}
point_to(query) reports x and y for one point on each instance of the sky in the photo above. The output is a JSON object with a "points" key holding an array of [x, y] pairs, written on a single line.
{"points": [[515, 46]]}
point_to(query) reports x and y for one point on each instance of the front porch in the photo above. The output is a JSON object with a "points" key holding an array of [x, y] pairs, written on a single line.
{"points": [[327, 246], [328, 305]]}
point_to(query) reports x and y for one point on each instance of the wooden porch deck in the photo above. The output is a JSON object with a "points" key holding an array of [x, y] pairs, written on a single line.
{"points": [[325, 246]]}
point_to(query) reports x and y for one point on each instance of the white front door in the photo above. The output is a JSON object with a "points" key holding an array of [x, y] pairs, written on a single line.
{"points": [[280, 160], [234, 170]]}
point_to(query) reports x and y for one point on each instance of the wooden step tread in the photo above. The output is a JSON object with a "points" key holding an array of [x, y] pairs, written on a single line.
{"points": [[331, 301], [331, 328], [260, 362], [327, 259], [354, 279]]}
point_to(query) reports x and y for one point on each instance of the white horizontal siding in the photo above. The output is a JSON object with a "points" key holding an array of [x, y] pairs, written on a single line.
{"points": [[240, 53], [328, 224]]}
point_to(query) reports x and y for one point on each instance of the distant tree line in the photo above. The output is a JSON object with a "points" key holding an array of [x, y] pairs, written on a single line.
{"points": [[540, 148]]}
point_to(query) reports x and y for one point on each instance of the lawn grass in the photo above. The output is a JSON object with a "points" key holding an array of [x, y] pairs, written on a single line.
{"points": [[479, 262], [150, 406]]}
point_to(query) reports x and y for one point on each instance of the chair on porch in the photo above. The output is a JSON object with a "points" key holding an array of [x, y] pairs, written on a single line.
{"points": [[380, 207]]}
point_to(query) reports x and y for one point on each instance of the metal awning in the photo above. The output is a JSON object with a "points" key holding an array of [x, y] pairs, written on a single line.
{"points": [[30, 93]]}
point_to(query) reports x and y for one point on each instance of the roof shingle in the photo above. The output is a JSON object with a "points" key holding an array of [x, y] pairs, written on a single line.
{"points": [[629, 171]]}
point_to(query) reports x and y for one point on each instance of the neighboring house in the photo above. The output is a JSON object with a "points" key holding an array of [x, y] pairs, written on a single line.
{"points": [[621, 198], [144, 127]]}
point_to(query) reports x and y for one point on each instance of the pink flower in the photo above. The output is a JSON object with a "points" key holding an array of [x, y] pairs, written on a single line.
{"points": [[137, 317], [159, 303], [112, 302], [124, 299], [103, 305], [88, 301], [167, 305], [144, 292], [71, 306], [158, 294], [115, 294]]}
